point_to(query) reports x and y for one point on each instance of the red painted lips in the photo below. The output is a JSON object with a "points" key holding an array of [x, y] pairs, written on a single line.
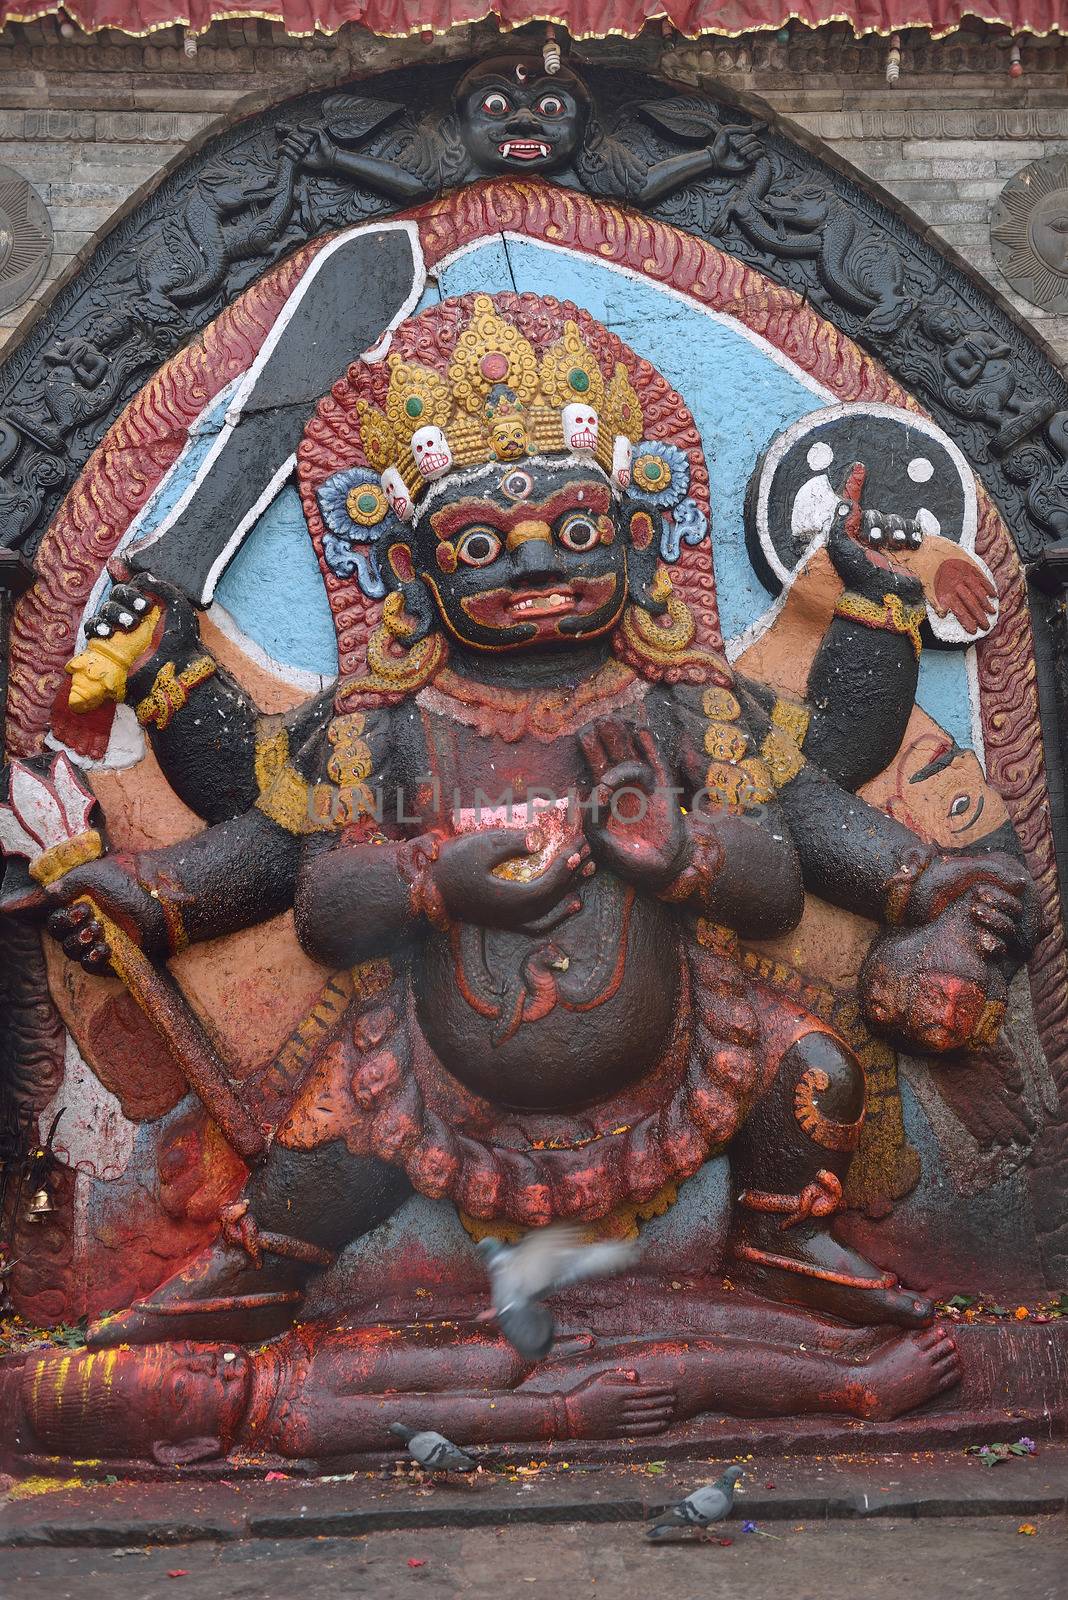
{"points": [[524, 150], [505, 608]]}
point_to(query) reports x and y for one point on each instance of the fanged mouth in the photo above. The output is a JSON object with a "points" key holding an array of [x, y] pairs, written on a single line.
{"points": [[505, 608], [524, 150]]}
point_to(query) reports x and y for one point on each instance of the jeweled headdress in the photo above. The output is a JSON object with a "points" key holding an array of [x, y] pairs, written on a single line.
{"points": [[497, 400]]}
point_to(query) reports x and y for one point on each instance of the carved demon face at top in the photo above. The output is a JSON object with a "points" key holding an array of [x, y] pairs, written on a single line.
{"points": [[525, 557], [514, 117]]}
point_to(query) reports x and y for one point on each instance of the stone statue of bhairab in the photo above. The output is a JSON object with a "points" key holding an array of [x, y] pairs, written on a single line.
{"points": [[535, 827]]}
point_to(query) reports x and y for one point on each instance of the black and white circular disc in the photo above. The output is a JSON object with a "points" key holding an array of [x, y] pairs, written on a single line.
{"points": [[913, 470]]}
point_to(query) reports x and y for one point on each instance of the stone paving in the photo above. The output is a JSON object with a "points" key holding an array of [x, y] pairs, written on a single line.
{"points": [[955, 1559]]}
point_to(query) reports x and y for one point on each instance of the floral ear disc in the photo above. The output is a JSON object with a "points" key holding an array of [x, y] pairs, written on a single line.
{"points": [[660, 477]]}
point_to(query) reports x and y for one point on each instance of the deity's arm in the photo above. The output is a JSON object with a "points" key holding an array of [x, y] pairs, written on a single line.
{"points": [[233, 875], [839, 647], [756, 888], [363, 895], [314, 150], [850, 852], [855, 856], [740, 866], [205, 730], [382, 177], [202, 727], [238, 872], [372, 890], [730, 151], [883, 662]]}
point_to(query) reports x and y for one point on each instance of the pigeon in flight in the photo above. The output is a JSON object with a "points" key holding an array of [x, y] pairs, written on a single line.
{"points": [[711, 1503], [544, 1260], [432, 1451]]}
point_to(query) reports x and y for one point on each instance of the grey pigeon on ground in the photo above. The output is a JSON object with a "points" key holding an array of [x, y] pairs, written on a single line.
{"points": [[432, 1451], [544, 1260], [711, 1503]]}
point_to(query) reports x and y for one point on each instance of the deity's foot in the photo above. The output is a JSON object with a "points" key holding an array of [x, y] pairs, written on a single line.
{"points": [[220, 1295], [807, 1266], [903, 1374]]}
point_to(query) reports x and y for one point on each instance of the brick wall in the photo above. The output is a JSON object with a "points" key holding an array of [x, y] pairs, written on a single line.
{"points": [[91, 122]]}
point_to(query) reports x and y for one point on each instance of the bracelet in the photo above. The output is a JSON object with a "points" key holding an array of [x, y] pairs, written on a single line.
{"points": [[703, 860], [170, 690], [893, 615], [424, 897], [900, 886], [170, 896]]}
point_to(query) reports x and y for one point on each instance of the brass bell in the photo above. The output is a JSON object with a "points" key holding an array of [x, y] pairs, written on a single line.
{"points": [[40, 1206]]}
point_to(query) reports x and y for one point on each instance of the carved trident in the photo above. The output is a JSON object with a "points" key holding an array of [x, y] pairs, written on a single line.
{"points": [[48, 822]]}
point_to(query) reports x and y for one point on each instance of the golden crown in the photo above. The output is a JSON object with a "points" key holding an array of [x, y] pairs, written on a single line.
{"points": [[498, 401]]}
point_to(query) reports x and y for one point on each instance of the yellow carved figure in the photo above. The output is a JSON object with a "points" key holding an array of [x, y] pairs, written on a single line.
{"points": [[100, 672]]}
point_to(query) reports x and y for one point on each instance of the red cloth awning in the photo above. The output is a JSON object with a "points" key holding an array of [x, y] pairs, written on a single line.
{"points": [[583, 19]]}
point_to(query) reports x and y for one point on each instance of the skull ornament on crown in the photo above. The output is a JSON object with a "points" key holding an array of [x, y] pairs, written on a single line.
{"points": [[400, 501], [432, 454], [580, 427]]}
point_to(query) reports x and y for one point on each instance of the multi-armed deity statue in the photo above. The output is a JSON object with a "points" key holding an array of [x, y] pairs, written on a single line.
{"points": [[537, 828]]}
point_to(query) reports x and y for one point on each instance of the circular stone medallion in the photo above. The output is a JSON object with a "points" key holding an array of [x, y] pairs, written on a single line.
{"points": [[1029, 233], [25, 239]]}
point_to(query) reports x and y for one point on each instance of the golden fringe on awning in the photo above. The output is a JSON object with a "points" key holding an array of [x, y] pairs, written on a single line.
{"points": [[583, 19]]}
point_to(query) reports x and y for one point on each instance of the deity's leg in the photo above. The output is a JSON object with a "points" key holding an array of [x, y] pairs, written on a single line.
{"points": [[790, 1161], [739, 1376], [297, 1211]]}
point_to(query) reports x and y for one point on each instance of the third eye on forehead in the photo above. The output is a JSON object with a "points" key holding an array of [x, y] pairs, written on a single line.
{"points": [[548, 500]]}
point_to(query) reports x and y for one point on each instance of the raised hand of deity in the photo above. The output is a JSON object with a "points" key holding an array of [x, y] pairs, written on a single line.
{"points": [[634, 824]]}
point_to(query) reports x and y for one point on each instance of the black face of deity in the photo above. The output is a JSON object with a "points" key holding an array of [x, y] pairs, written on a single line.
{"points": [[528, 556], [514, 117]]}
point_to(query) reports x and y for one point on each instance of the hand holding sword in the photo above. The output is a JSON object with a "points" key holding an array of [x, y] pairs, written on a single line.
{"points": [[48, 821]]}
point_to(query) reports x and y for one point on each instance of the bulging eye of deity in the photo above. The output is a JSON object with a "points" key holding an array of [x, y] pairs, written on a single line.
{"points": [[550, 105], [479, 547], [580, 427], [432, 454], [579, 531], [496, 104]]}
